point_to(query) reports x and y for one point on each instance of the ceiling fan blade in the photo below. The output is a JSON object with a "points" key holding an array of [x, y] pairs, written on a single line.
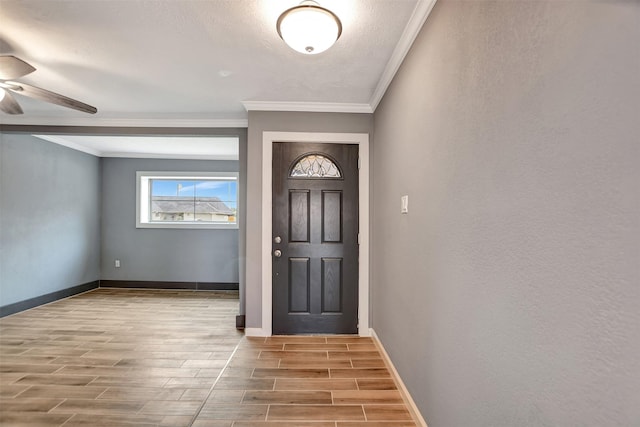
{"points": [[9, 104], [12, 67], [52, 97]]}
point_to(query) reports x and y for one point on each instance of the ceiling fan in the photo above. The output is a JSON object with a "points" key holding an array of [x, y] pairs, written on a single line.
{"points": [[12, 68]]}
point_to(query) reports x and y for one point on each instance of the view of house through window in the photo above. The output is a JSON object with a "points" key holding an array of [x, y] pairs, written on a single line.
{"points": [[199, 201], [211, 200]]}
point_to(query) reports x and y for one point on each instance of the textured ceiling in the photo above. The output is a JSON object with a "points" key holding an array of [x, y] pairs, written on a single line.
{"points": [[193, 60]]}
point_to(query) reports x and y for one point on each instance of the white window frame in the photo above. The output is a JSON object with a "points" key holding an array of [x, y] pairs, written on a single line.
{"points": [[142, 199]]}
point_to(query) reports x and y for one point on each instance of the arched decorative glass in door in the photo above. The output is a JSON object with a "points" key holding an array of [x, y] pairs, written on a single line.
{"points": [[315, 166]]}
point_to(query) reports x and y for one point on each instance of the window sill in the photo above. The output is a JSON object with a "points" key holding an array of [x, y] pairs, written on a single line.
{"points": [[187, 226]]}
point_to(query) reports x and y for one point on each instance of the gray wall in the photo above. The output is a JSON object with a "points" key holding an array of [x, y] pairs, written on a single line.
{"points": [[260, 122], [49, 218], [509, 295], [160, 254]]}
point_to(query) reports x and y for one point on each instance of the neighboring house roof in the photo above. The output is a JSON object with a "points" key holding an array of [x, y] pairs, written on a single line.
{"points": [[173, 204]]}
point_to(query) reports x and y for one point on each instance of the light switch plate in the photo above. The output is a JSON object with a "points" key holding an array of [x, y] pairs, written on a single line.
{"points": [[404, 204]]}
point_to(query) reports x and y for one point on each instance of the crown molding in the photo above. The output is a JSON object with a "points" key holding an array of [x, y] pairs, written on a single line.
{"points": [[416, 21], [125, 123], [316, 107]]}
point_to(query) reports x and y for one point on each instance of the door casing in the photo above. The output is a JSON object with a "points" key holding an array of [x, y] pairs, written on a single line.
{"points": [[268, 138]]}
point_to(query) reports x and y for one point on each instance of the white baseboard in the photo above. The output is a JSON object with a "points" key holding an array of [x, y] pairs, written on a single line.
{"points": [[413, 409], [255, 332]]}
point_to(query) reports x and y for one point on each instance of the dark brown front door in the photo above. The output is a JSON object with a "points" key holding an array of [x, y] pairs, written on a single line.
{"points": [[315, 238]]}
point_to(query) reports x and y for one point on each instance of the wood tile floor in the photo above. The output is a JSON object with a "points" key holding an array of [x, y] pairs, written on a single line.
{"points": [[119, 357]]}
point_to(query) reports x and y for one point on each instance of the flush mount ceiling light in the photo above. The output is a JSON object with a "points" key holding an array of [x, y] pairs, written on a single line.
{"points": [[309, 28]]}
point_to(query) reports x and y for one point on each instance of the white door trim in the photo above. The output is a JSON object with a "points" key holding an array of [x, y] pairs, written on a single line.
{"points": [[362, 139]]}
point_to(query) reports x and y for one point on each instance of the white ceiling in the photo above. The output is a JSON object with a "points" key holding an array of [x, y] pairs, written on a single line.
{"points": [[156, 147], [196, 62]]}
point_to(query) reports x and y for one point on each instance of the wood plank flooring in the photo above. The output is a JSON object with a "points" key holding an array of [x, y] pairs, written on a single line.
{"points": [[122, 357]]}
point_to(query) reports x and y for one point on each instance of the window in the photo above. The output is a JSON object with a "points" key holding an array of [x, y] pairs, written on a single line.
{"points": [[187, 200], [315, 166]]}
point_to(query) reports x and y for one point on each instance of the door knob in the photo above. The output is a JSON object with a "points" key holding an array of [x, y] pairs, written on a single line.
{"points": [[277, 239], [277, 253]]}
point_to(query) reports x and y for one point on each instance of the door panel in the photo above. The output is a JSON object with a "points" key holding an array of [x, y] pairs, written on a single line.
{"points": [[315, 217], [332, 216], [299, 216], [299, 285], [331, 285]]}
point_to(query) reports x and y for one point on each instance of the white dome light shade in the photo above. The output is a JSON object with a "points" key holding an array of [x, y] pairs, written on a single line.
{"points": [[309, 28]]}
